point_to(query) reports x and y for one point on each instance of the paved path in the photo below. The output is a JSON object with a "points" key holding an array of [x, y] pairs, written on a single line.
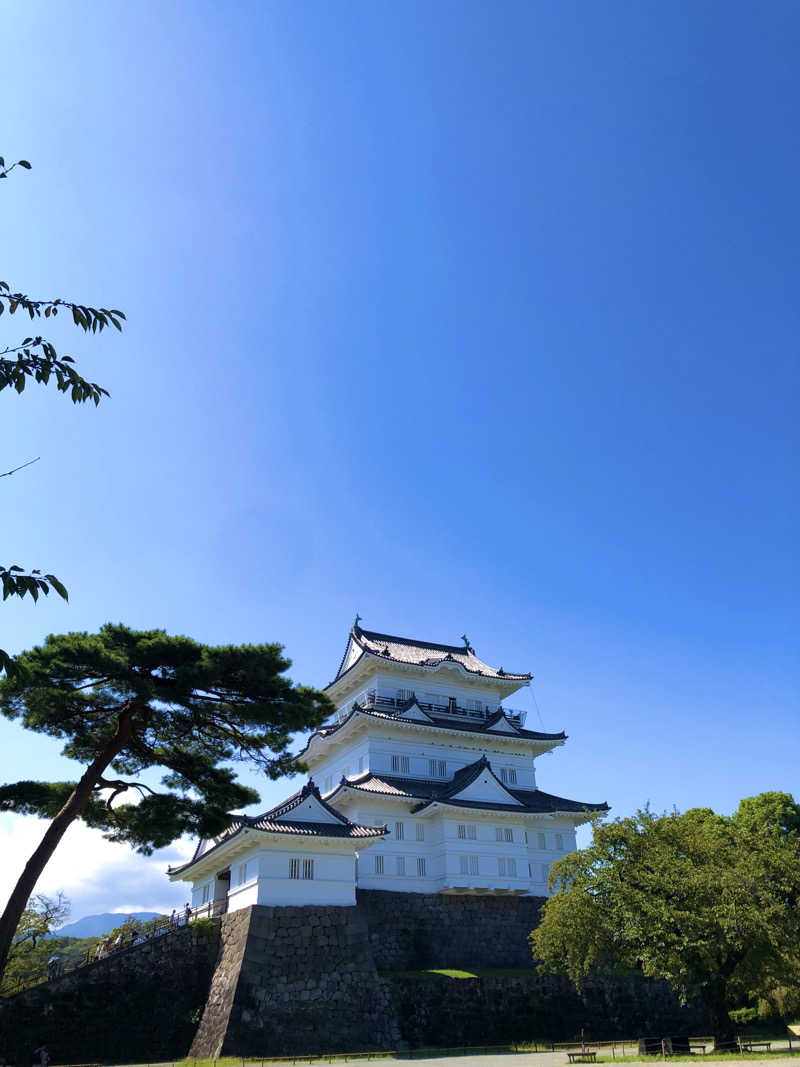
{"points": [[512, 1059]]}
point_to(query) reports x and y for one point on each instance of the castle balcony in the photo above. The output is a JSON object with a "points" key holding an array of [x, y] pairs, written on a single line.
{"points": [[451, 709]]}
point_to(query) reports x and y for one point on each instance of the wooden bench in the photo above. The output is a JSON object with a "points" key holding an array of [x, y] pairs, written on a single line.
{"points": [[793, 1030], [748, 1046], [584, 1056]]}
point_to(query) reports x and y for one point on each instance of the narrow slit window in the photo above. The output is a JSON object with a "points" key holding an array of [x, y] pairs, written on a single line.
{"points": [[294, 868], [379, 864], [308, 869], [400, 865], [420, 830], [421, 867], [399, 831]]}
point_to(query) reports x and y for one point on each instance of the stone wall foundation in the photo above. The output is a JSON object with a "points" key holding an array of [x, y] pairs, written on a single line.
{"points": [[269, 981]]}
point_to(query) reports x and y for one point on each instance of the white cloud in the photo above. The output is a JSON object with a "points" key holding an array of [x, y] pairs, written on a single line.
{"points": [[96, 875]]}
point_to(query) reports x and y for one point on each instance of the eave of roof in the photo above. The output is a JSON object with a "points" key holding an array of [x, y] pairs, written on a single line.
{"points": [[531, 801], [435, 723], [274, 822]]}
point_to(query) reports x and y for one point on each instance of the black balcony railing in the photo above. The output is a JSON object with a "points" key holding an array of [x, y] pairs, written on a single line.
{"points": [[394, 705]]}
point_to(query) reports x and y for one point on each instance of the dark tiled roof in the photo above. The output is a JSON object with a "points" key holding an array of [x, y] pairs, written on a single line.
{"points": [[438, 722], [274, 822], [429, 791], [294, 801], [423, 654], [319, 829]]}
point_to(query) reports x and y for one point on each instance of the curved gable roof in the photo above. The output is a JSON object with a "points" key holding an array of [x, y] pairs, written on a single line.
{"points": [[275, 821], [522, 801], [486, 727], [410, 651]]}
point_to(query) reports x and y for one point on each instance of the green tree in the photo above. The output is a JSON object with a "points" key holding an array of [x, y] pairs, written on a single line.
{"points": [[768, 811], [705, 902], [35, 359], [30, 949], [125, 701]]}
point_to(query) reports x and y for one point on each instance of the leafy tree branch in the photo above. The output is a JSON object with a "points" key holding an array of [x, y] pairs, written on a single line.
{"points": [[36, 359]]}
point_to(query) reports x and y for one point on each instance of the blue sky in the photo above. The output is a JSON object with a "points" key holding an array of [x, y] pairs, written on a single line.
{"points": [[463, 316]]}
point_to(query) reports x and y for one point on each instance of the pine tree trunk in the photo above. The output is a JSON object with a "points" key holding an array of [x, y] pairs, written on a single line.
{"points": [[74, 805]]}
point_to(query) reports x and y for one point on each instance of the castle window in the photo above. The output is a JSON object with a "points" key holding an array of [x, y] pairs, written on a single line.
{"points": [[400, 764], [498, 833], [541, 840], [420, 866], [504, 833], [420, 828], [466, 831], [399, 831], [294, 868], [468, 864], [308, 869], [437, 768], [379, 864], [508, 775], [559, 840], [400, 865], [526, 837], [506, 867], [405, 694]]}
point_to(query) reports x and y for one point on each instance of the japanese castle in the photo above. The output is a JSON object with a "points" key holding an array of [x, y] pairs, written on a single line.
{"points": [[423, 782]]}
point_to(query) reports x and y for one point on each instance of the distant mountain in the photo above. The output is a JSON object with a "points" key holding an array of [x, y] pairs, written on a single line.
{"points": [[97, 925]]}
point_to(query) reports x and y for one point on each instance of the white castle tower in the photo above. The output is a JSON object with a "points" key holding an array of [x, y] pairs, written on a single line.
{"points": [[423, 783]]}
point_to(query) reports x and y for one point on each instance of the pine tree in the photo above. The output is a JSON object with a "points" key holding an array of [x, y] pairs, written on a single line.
{"points": [[125, 701]]}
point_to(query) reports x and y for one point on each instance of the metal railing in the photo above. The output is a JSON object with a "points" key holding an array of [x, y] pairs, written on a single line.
{"points": [[10, 985], [394, 705]]}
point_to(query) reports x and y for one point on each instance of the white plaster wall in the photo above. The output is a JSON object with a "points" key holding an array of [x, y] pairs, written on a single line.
{"points": [[334, 875], [443, 848], [347, 760], [544, 848], [421, 746]]}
